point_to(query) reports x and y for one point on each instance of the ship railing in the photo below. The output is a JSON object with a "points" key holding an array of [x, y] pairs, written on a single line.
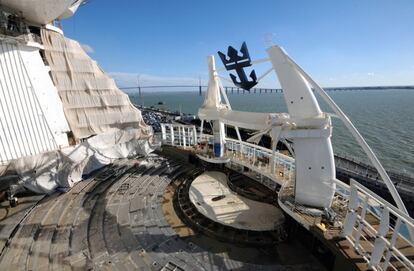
{"points": [[274, 166], [179, 135], [377, 230]]}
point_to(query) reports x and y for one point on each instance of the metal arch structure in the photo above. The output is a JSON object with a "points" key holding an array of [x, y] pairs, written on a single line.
{"points": [[306, 126], [355, 133]]}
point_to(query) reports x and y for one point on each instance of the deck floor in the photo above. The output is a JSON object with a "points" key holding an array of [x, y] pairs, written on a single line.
{"points": [[112, 221]]}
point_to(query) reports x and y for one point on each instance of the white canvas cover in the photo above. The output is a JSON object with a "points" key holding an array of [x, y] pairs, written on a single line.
{"points": [[212, 104], [212, 99], [91, 100]]}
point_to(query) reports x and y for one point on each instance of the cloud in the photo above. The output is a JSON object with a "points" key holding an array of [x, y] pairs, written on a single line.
{"points": [[370, 74], [87, 48]]}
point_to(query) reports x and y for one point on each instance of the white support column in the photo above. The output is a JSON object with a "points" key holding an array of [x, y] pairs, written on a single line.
{"points": [[201, 130], [218, 134], [315, 168]]}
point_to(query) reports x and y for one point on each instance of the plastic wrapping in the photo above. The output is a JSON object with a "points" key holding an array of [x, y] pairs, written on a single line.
{"points": [[44, 173]]}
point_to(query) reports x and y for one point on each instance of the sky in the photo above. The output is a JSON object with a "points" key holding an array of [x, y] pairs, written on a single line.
{"points": [[339, 43]]}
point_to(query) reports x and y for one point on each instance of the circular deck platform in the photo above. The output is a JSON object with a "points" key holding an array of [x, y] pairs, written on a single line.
{"points": [[213, 198]]}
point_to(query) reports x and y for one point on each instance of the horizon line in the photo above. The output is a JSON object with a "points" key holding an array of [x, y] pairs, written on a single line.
{"points": [[234, 87]]}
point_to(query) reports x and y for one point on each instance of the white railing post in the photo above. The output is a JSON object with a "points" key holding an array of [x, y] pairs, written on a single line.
{"points": [[378, 252], [184, 136], [172, 135], [180, 140], [201, 130], [239, 138], [163, 133], [386, 262], [195, 135], [272, 169], [361, 224], [379, 243], [254, 157], [352, 215]]}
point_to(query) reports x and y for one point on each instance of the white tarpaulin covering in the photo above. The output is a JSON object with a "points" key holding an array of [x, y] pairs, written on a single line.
{"points": [[45, 172], [91, 101]]}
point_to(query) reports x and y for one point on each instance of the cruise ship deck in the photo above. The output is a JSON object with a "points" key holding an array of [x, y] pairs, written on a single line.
{"points": [[122, 218]]}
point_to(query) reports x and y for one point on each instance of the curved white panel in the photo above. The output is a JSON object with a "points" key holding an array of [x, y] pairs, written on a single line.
{"points": [[298, 95], [315, 168]]}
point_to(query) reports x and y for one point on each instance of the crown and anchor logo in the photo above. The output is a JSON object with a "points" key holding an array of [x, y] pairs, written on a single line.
{"points": [[235, 62]]}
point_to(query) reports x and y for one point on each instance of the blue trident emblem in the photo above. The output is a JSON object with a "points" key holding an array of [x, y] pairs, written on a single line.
{"points": [[235, 62]]}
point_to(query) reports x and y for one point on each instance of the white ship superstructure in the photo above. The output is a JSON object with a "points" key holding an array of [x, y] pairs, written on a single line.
{"points": [[55, 99]]}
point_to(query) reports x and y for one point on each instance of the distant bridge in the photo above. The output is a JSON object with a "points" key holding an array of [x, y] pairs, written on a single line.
{"points": [[236, 90], [228, 90]]}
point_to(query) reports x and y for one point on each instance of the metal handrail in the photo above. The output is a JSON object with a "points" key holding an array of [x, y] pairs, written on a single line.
{"points": [[382, 247], [264, 149]]}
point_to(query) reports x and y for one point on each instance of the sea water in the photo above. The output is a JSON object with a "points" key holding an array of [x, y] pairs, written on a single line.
{"points": [[385, 118]]}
